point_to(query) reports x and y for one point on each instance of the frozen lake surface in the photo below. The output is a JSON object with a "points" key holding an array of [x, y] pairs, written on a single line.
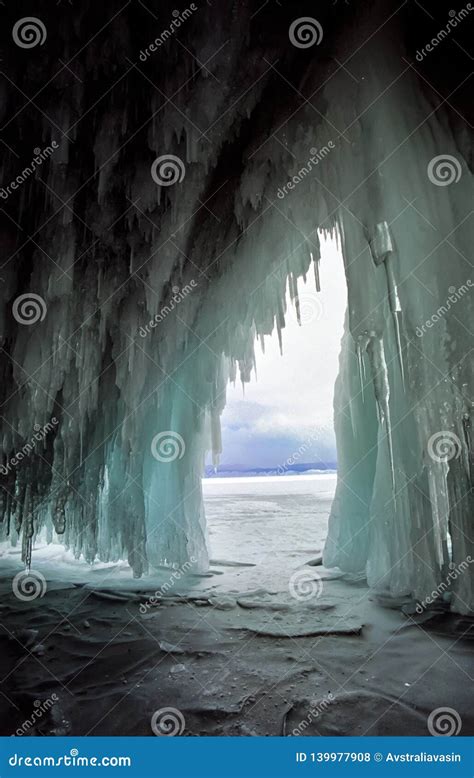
{"points": [[274, 522], [270, 524]]}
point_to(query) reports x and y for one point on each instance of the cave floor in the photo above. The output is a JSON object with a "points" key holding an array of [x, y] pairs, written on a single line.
{"points": [[247, 663]]}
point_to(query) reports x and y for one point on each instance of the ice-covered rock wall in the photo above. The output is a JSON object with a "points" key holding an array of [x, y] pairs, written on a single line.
{"points": [[151, 277], [404, 401]]}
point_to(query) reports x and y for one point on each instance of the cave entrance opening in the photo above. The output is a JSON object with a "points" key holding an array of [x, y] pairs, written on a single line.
{"points": [[268, 500]]}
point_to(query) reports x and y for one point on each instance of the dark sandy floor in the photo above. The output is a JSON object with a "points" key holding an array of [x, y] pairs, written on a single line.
{"points": [[246, 664]]}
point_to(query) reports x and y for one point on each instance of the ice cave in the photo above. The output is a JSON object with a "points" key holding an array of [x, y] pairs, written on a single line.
{"points": [[167, 174]]}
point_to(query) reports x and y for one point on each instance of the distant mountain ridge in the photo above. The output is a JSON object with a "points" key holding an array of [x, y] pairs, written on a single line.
{"points": [[301, 468]]}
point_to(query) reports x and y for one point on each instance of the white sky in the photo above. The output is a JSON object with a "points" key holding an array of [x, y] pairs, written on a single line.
{"points": [[292, 397]]}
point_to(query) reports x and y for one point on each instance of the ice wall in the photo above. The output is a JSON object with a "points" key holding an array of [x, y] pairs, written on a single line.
{"points": [[403, 407], [153, 294]]}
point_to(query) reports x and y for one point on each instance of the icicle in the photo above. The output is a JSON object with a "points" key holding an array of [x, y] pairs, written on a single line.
{"points": [[3, 505], [361, 347], [352, 416], [295, 298], [59, 513], [216, 437], [280, 340], [396, 308], [80, 442], [28, 528], [467, 448], [360, 362], [280, 323], [439, 499], [376, 353], [317, 278], [291, 286], [382, 248]]}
